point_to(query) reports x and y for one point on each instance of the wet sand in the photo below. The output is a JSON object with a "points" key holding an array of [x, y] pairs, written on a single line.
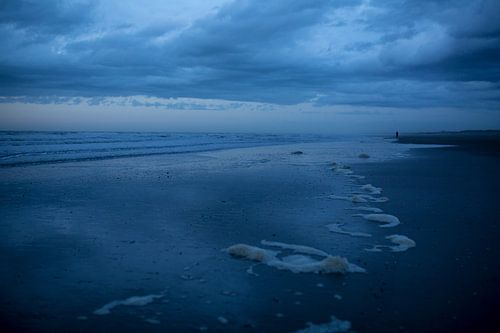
{"points": [[78, 236], [448, 199]]}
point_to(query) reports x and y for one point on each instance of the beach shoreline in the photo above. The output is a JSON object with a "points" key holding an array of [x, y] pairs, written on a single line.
{"points": [[156, 227]]}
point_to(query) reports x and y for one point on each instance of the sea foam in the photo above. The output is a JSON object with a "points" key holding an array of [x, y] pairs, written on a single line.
{"points": [[337, 228], [305, 264], [295, 263], [386, 219], [134, 301], [371, 189], [296, 248], [335, 325], [253, 253], [403, 243], [359, 198], [342, 169], [368, 198]]}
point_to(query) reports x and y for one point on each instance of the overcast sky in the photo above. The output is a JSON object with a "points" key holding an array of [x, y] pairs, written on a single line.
{"points": [[289, 65]]}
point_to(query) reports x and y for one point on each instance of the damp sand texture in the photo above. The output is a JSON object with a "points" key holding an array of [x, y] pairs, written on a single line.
{"points": [[141, 243]]}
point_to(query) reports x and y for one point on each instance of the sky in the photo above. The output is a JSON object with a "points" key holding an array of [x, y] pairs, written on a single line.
{"points": [[250, 65]]}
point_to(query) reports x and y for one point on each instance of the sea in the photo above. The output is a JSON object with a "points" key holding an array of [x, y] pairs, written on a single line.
{"points": [[25, 148]]}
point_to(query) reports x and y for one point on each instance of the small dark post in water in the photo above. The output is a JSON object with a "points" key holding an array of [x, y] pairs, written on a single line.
{"points": [[397, 135]]}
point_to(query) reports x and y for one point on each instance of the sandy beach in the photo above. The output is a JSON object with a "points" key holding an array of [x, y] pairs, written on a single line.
{"points": [[141, 243]]}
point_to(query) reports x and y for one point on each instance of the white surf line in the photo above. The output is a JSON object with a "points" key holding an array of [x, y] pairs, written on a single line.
{"points": [[296, 248], [335, 325], [402, 242], [134, 301], [294, 263], [387, 220], [337, 228], [367, 209]]}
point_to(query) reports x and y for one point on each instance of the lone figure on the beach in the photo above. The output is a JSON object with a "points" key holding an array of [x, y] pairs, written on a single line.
{"points": [[397, 135]]}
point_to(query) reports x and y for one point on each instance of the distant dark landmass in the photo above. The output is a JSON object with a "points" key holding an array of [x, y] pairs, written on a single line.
{"points": [[482, 140]]}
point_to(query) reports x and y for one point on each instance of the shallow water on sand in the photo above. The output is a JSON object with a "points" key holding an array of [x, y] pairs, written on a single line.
{"points": [[139, 243]]}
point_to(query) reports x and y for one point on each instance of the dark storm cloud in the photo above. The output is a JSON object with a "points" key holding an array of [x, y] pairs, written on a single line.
{"points": [[46, 17], [390, 53]]}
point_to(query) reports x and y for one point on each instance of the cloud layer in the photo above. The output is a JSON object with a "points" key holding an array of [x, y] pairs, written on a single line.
{"points": [[385, 53]]}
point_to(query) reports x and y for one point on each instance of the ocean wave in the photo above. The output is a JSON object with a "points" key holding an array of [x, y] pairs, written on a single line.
{"points": [[28, 148]]}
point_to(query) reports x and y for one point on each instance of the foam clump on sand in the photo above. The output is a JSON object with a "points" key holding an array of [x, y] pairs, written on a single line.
{"points": [[386, 219], [371, 189], [375, 248], [341, 168], [339, 197], [295, 263], [335, 325], [359, 198], [305, 264], [337, 228], [368, 198], [251, 253], [296, 248], [403, 243], [133, 301]]}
